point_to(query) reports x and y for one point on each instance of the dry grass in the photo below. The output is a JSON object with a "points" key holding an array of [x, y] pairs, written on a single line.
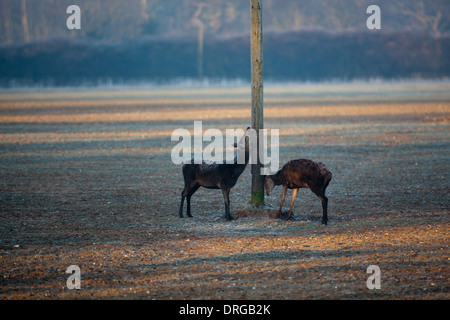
{"points": [[73, 114]]}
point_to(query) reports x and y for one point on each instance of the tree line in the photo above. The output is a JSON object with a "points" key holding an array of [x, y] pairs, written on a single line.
{"points": [[293, 56], [118, 20]]}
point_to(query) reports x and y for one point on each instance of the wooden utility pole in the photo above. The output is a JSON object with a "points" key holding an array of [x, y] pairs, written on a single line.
{"points": [[257, 95]]}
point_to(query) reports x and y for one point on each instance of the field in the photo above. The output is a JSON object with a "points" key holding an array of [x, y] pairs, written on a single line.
{"points": [[86, 179]]}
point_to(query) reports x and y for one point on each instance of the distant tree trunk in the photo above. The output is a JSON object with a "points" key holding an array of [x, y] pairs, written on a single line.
{"points": [[26, 32], [201, 28], [7, 22], [8, 33], [257, 197], [144, 13]]}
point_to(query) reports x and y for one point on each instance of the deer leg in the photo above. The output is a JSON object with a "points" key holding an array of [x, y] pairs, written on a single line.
{"points": [[188, 206], [226, 197], [188, 198], [325, 209], [283, 195], [182, 202], [294, 194], [321, 194]]}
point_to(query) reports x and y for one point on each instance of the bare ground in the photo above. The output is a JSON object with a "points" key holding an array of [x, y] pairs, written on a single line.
{"points": [[86, 179]]}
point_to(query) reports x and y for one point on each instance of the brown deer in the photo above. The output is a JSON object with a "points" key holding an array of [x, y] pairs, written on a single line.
{"points": [[301, 173]]}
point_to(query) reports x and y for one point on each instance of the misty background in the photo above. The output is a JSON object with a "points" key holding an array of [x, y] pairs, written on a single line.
{"points": [[167, 40]]}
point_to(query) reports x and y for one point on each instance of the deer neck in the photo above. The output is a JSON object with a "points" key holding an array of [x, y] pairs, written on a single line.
{"points": [[240, 167], [277, 178]]}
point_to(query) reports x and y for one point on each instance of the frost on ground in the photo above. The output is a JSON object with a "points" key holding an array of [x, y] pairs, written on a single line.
{"points": [[87, 180]]}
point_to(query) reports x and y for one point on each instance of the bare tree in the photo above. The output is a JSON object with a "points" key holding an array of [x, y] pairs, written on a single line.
{"points": [[433, 21], [7, 22], [144, 13], [201, 30], [26, 31]]}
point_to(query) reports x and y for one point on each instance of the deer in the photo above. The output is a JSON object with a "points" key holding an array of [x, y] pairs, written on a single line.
{"points": [[301, 173], [214, 175]]}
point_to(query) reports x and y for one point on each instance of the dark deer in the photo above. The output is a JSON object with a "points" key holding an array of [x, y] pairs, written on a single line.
{"points": [[301, 173], [214, 175]]}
